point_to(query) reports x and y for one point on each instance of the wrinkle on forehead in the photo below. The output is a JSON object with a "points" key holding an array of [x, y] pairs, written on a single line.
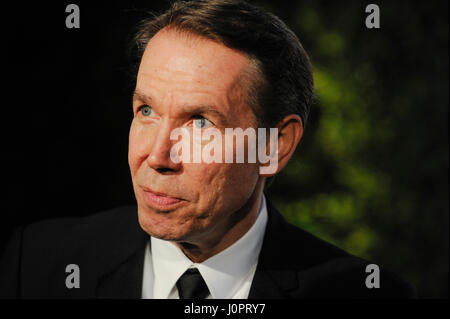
{"points": [[191, 56]]}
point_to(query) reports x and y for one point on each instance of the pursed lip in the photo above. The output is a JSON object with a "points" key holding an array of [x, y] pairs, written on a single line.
{"points": [[160, 200]]}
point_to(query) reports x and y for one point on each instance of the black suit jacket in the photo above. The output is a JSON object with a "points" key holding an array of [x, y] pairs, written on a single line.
{"points": [[109, 249]]}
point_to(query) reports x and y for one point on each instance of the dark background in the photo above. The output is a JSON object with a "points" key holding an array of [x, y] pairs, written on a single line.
{"points": [[370, 175]]}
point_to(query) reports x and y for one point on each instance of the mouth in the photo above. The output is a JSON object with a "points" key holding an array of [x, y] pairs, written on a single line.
{"points": [[160, 201]]}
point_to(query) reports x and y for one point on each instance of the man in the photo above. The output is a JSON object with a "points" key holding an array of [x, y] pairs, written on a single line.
{"points": [[201, 229]]}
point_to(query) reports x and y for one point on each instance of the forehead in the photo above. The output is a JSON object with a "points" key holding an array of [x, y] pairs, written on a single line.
{"points": [[189, 64]]}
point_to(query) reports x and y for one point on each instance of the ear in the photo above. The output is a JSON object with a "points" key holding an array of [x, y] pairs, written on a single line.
{"points": [[290, 132]]}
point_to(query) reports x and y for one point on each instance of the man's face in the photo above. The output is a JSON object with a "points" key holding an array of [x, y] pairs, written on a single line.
{"points": [[181, 81]]}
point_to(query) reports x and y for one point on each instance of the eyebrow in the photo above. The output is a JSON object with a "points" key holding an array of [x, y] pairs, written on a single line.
{"points": [[207, 109], [141, 96], [192, 109]]}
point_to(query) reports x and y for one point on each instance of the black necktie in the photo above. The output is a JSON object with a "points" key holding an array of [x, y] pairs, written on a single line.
{"points": [[191, 285]]}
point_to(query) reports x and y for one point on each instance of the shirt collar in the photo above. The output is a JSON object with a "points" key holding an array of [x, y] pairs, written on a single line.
{"points": [[223, 273]]}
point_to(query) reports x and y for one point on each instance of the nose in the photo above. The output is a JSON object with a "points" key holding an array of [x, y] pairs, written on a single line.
{"points": [[159, 156]]}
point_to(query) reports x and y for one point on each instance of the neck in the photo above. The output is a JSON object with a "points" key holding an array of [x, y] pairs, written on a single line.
{"points": [[237, 225]]}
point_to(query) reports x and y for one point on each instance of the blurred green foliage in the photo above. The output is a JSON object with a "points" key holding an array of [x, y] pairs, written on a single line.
{"points": [[371, 172]]}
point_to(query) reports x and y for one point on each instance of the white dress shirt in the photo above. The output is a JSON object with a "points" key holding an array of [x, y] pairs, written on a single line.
{"points": [[228, 274]]}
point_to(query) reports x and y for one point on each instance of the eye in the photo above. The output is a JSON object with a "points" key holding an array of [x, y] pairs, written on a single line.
{"points": [[145, 110], [201, 122]]}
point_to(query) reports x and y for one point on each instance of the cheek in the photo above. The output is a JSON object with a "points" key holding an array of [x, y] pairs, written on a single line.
{"points": [[138, 145], [206, 180], [241, 180], [222, 184]]}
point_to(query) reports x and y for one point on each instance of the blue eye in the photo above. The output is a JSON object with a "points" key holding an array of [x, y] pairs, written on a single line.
{"points": [[201, 122], [146, 110]]}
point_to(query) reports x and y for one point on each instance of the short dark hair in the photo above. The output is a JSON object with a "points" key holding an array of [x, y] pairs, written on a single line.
{"points": [[284, 83]]}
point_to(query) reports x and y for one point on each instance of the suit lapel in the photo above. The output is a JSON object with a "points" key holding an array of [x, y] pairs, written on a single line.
{"points": [[275, 275], [122, 262], [125, 282]]}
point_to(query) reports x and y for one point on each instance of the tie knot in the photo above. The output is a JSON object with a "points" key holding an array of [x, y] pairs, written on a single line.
{"points": [[191, 285]]}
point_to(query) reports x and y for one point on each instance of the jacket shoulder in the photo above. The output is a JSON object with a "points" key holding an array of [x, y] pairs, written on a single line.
{"points": [[82, 238], [34, 263], [306, 266], [335, 273], [64, 227]]}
